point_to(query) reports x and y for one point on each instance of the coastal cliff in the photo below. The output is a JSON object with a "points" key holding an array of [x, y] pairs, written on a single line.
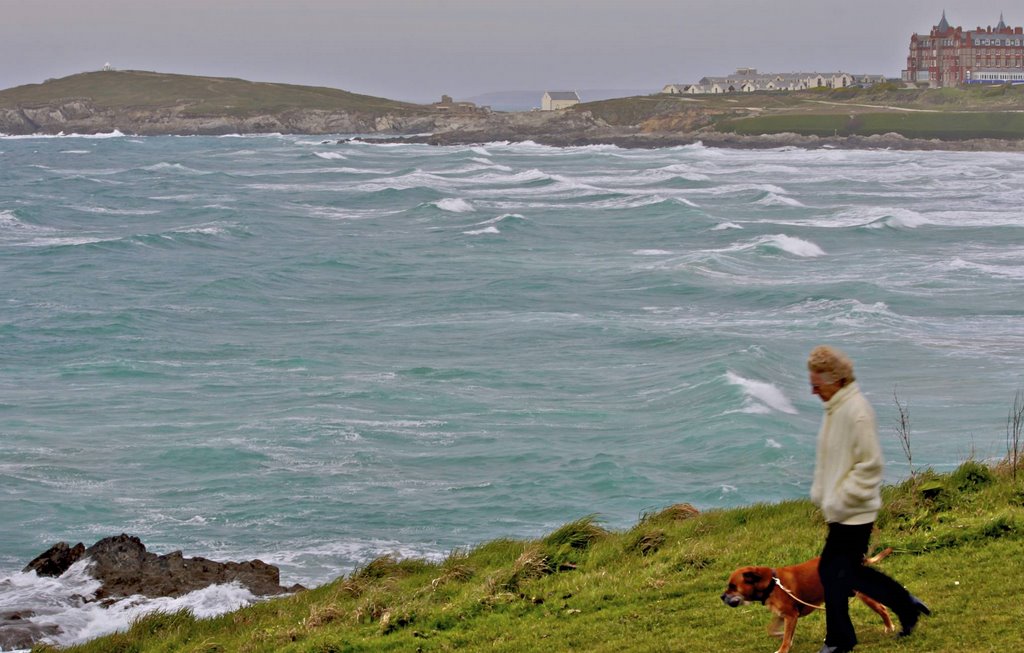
{"points": [[148, 103]]}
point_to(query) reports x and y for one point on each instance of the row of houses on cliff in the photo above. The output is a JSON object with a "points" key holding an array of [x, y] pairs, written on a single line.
{"points": [[748, 80], [946, 56]]}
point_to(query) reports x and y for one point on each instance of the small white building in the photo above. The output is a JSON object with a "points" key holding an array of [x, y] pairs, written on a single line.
{"points": [[554, 100]]}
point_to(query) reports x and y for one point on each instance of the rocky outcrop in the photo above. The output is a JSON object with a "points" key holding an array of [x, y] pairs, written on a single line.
{"points": [[56, 560], [17, 631], [428, 125], [83, 117], [124, 568]]}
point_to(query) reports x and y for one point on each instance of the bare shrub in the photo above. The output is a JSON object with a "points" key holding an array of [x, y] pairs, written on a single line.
{"points": [[902, 428], [1014, 425]]}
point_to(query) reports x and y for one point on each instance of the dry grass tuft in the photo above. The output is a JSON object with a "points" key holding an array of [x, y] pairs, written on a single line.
{"points": [[646, 542], [674, 513], [321, 615], [383, 567], [578, 535]]}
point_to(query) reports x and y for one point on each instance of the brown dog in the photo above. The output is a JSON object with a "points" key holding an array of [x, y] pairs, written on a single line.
{"points": [[790, 593]]}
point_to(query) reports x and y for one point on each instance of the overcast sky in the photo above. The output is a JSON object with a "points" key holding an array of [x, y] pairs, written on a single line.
{"points": [[418, 49]]}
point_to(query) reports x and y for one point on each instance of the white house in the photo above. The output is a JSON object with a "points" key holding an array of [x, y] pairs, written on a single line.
{"points": [[554, 100], [748, 80]]}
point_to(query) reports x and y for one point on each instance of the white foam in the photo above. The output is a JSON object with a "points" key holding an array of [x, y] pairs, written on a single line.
{"points": [[725, 225], [760, 395], [491, 225], [684, 171], [91, 620], [205, 230], [728, 189], [789, 244], [330, 155], [113, 134], [900, 219], [487, 163], [651, 252], [629, 202], [62, 602], [871, 217], [986, 217], [10, 221], [1001, 271], [454, 205], [795, 246], [486, 230], [774, 199], [105, 211], [838, 308], [177, 167], [523, 177], [66, 242]]}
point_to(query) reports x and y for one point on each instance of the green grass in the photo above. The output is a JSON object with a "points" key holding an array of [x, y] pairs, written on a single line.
{"points": [[943, 125], [200, 95], [943, 113], [957, 537]]}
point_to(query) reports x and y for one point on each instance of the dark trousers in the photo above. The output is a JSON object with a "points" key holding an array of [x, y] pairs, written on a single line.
{"points": [[842, 571]]}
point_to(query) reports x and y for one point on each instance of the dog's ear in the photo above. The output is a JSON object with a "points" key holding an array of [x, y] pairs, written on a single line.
{"points": [[751, 577]]}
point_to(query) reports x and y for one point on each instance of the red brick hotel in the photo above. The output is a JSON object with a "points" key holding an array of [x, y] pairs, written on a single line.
{"points": [[950, 56]]}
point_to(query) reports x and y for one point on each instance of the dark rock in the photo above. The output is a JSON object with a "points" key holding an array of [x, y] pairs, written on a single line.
{"points": [[56, 560], [124, 568], [17, 632]]}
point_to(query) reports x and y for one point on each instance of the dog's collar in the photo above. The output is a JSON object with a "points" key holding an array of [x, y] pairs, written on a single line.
{"points": [[768, 590]]}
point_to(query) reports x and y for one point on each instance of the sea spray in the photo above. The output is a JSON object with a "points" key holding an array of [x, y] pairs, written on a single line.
{"points": [[240, 349]]}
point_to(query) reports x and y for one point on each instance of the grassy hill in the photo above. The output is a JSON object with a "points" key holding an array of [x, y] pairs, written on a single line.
{"points": [[945, 113], [143, 90], [141, 102], [957, 538]]}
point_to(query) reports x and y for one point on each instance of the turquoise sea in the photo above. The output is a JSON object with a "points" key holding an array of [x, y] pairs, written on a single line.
{"points": [[317, 352]]}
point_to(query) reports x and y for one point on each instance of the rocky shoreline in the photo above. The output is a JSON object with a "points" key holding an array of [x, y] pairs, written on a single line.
{"points": [[632, 139], [427, 126], [123, 568]]}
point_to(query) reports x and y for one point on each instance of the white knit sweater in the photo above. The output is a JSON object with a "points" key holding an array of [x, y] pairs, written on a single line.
{"points": [[848, 472]]}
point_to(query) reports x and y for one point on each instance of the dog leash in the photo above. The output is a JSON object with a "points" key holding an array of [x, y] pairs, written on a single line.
{"points": [[867, 561], [793, 596]]}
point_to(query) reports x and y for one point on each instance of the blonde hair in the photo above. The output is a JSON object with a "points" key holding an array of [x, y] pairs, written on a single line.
{"points": [[832, 363]]}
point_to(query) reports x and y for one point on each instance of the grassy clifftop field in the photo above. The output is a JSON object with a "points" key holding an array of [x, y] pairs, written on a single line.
{"points": [[199, 95], [957, 538], [944, 113], [150, 103]]}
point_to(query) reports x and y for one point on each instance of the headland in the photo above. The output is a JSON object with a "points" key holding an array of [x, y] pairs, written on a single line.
{"points": [[882, 116]]}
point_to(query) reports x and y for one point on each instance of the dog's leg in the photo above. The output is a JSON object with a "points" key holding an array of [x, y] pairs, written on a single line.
{"points": [[880, 609], [775, 626], [787, 636]]}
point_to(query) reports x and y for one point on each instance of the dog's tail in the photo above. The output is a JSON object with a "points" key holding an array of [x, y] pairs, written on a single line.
{"points": [[878, 556]]}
